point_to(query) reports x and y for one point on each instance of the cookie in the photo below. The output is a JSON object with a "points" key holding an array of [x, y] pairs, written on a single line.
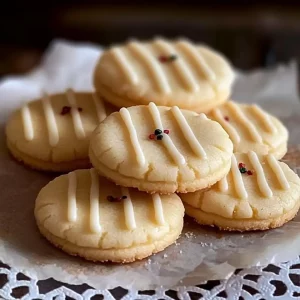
{"points": [[161, 149], [167, 73], [259, 193], [87, 215], [250, 127], [53, 133]]}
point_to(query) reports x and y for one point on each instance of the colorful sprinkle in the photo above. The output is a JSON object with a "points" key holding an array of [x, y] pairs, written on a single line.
{"points": [[160, 137], [169, 58], [226, 118], [152, 136], [166, 131], [157, 131], [242, 165], [249, 172], [80, 109], [115, 199], [243, 170], [65, 110]]}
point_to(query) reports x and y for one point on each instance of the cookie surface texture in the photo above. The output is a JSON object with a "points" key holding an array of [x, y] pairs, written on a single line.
{"points": [[86, 215], [250, 127], [165, 72], [53, 133], [259, 193], [161, 149]]}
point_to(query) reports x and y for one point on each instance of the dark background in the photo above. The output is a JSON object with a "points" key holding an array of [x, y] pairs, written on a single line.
{"points": [[250, 33]]}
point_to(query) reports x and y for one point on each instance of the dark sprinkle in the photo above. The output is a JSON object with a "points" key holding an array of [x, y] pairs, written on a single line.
{"points": [[172, 57], [243, 170], [124, 197], [157, 131], [65, 110], [160, 137], [80, 109]]}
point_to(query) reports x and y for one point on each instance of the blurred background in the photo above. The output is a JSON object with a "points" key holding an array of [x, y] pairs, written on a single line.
{"points": [[250, 33]]}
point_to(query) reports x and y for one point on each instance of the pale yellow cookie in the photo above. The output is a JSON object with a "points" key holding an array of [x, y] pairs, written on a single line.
{"points": [[53, 133], [193, 153], [168, 73], [87, 215], [251, 128], [261, 194]]}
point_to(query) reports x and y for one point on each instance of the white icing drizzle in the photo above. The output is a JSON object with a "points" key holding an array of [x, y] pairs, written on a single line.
{"points": [[72, 206], [128, 210], [166, 141], [238, 180], [199, 61], [203, 116], [181, 67], [256, 137], [27, 123], [77, 122], [125, 66], [153, 66], [158, 209], [260, 175], [100, 108], [276, 168], [50, 121], [218, 116], [188, 133], [264, 118], [94, 203], [125, 115], [223, 184]]}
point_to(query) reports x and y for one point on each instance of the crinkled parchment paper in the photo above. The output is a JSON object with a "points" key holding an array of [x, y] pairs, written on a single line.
{"points": [[200, 254]]}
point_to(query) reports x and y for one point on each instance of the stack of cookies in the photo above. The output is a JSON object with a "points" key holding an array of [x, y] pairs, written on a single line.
{"points": [[163, 139]]}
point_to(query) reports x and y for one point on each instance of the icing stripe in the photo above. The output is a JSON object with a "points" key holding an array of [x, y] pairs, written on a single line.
{"points": [[50, 121], [203, 116], [140, 157], [198, 61], [182, 69], [261, 179], [276, 168], [234, 136], [166, 141], [256, 137], [128, 210], [94, 203], [72, 207], [158, 209], [152, 65], [100, 108], [188, 133], [27, 123], [125, 66], [223, 184], [77, 122], [238, 180], [264, 118]]}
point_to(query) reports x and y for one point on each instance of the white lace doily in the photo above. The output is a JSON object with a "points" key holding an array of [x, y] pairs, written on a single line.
{"points": [[272, 282]]}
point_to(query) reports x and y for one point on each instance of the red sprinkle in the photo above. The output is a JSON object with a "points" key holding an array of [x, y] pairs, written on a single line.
{"points": [[249, 172], [241, 165], [152, 136], [167, 131], [226, 118], [163, 59]]}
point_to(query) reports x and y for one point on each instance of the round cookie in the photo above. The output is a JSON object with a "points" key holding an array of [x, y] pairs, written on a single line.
{"points": [[161, 149], [167, 73], [53, 133], [259, 193], [250, 127], [87, 215]]}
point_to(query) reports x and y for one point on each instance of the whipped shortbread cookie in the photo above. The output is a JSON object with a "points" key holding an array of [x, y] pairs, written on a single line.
{"points": [[259, 193], [53, 133], [161, 149], [87, 215], [168, 73], [251, 128]]}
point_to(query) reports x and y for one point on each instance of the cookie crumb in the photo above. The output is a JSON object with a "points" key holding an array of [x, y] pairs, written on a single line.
{"points": [[180, 251], [189, 234], [165, 255]]}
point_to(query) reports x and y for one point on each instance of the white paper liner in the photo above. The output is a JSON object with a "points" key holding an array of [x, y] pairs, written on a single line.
{"points": [[200, 254]]}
